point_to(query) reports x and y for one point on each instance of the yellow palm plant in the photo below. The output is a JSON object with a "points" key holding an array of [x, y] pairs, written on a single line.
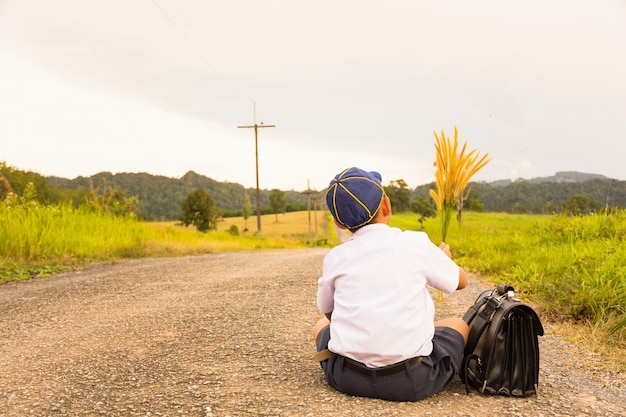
{"points": [[455, 168]]}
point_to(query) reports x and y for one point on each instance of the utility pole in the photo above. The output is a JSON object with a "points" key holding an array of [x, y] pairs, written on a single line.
{"points": [[308, 204], [308, 193], [256, 154]]}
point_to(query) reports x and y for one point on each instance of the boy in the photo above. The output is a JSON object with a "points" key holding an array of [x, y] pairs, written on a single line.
{"points": [[378, 337]]}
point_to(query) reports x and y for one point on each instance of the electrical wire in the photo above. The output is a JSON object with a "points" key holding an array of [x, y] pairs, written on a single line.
{"points": [[196, 50]]}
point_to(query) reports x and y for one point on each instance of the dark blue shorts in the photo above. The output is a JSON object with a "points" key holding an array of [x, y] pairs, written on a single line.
{"points": [[415, 382]]}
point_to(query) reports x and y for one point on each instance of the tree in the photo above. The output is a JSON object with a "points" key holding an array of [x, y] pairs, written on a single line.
{"points": [[246, 210], [425, 207], [277, 202], [200, 210], [5, 187], [13, 180], [399, 194], [472, 201], [580, 204]]}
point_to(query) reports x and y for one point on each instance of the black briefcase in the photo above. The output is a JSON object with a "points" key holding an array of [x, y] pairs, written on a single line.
{"points": [[502, 352]]}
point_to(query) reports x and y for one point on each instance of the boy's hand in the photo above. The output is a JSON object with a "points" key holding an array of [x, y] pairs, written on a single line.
{"points": [[446, 249]]}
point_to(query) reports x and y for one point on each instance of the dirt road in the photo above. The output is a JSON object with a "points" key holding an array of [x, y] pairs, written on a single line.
{"points": [[225, 335]]}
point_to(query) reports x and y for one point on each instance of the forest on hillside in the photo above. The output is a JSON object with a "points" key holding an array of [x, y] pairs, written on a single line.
{"points": [[543, 197], [160, 197]]}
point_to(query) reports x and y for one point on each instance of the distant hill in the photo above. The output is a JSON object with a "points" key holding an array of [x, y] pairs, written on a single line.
{"points": [[563, 176], [161, 197], [544, 194]]}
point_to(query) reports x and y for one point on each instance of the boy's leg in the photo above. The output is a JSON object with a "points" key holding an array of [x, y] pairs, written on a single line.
{"points": [[323, 322], [457, 324]]}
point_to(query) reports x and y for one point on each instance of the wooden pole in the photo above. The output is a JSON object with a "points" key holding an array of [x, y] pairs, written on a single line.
{"points": [[256, 156]]}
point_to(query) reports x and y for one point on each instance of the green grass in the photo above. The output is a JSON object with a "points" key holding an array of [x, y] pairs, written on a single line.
{"points": [[37, 240], [574, 268]]}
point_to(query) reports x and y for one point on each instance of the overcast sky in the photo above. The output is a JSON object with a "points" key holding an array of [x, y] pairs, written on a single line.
{"points": [[161, 86]]}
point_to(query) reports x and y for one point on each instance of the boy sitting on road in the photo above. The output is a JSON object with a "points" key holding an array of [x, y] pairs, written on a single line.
{"points": [[378, 337]]}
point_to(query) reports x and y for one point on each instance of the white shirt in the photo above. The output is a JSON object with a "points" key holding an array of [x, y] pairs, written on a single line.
{"points": [[375, 286]]}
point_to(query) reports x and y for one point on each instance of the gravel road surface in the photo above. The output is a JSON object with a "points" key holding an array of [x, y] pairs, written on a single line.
{"points": [[227, 335]]}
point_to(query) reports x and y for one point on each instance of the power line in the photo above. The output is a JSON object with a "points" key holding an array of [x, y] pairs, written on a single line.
{"points": [[196, 50], [208, 63]]}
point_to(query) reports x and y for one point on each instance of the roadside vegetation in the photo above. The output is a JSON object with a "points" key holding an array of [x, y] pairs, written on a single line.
{"points": [[37, 240], [572, 267]]}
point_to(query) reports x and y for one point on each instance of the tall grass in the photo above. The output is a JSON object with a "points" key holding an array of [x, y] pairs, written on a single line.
{"points": [[38, 240], [574, 267], [35, 239]]}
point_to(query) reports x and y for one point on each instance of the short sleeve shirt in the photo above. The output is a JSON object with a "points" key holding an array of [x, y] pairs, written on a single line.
{"points": [[375, 286]]}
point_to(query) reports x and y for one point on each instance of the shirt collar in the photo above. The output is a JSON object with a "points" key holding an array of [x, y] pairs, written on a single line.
{"points": [[370, 228]]}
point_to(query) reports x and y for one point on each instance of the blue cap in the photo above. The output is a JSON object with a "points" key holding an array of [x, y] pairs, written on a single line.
{"points": [[354, 197]]}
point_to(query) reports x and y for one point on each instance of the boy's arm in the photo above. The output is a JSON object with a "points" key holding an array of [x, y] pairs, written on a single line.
{"points": [[462, 279], [462, 274]]}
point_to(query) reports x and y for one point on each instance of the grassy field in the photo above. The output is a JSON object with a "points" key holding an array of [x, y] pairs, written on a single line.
{"points": [[300, 226], [38, 241], [574, 268]]}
